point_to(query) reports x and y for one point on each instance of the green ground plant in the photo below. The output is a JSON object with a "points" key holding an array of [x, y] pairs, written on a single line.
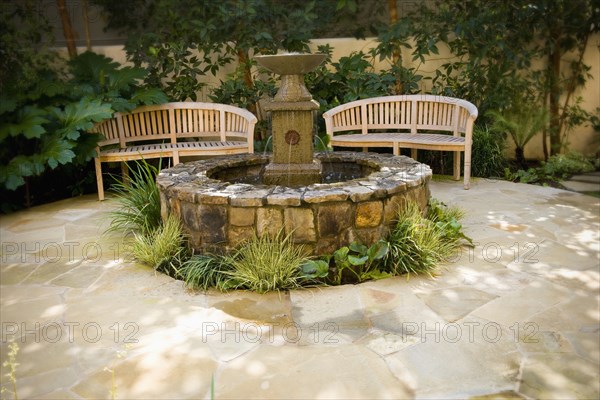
{"points": [[163, 248], [11, 364], [266, 263], [558, 167], [521, 122], [205, 271], [358, 263], [120, 354], [487, 153], [447, 219], [138, 199], [47, 107], [418, 244]]}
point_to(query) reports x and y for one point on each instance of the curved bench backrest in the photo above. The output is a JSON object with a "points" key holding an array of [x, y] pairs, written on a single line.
{"points": [[170, 121], [412, 113]]}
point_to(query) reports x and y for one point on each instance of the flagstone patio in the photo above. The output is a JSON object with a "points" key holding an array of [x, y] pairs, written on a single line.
{"points": [[518, 316]]}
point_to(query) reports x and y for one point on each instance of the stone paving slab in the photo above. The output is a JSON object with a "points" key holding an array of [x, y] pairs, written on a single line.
{"points": [[516, 317], [593, 177], [582, 186]]}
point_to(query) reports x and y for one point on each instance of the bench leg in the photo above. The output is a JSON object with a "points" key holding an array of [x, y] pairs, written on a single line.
{"points": [[413, 154], [125, 172], [175, 158], [396, 149], [99, 182], [467, 183], [456, 165]]}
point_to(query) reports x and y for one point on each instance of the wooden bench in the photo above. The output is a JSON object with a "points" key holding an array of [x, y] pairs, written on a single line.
{"points": [[173, 130], [408, 121]]}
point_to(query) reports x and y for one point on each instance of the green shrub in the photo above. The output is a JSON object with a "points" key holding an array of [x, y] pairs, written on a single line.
{"points": [[447, 220], [264, 264], [205, 271], [418, 244], [359, 263], [564, 165], [487, 155], [45, 127], [139, 201], [557, 168], [522, 122], [162, 248]]}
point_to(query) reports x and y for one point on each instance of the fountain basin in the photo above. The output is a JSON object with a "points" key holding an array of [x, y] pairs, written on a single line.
{"points": [[222, 202], [291, 63]]}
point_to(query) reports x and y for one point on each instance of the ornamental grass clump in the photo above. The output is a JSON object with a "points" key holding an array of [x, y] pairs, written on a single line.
{"points": [[418, 243], [139, 201], [162, 248], [266, 263], [205, 271]]}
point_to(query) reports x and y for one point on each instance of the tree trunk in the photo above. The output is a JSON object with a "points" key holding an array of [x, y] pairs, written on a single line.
{"points": [[86, 24], [396, 57], [576, 71], [244, 62], [520, 157], [67, 28], [545, 132], [554, 97]]}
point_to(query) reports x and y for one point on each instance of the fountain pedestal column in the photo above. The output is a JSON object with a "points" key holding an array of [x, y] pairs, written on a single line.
{"points": [[292, 124], [293, 163]]}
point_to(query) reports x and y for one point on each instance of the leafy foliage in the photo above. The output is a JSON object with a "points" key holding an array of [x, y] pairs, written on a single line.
{"points": [[181, 41], [205, 271], [234, 91], [317, 269], [34, 138], [260, 264], [493, 49], [45, 129], [265, 264], [521, 122], [487, 153], [359, 262], [447, 220], [161, 248], [139, 201], [557, 168], [418, 244], [351, 78]]}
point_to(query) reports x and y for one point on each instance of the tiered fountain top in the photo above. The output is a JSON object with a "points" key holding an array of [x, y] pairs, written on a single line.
{"points": [[291, 63], [291, 67]]}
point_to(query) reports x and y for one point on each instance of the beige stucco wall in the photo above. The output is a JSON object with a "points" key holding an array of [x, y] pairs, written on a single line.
{"points": [[583, 139]]}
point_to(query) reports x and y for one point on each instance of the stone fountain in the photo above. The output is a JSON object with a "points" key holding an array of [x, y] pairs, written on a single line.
{"points": [[292, 109], [324, 200]]}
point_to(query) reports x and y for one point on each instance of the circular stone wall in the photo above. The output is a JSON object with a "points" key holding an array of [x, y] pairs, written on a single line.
{"points": [[220, 209]]}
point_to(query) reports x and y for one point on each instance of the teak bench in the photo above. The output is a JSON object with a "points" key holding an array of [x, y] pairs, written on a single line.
{"points": [[406, 122], [174, 130]]}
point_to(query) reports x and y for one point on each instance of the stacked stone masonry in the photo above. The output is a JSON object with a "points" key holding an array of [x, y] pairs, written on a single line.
{"points": [[219, 215]]}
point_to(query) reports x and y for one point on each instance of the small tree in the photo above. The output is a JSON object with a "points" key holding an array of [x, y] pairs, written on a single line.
{"points": [[522, 122], [493, 44], [563, 27], [179, 41]]}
